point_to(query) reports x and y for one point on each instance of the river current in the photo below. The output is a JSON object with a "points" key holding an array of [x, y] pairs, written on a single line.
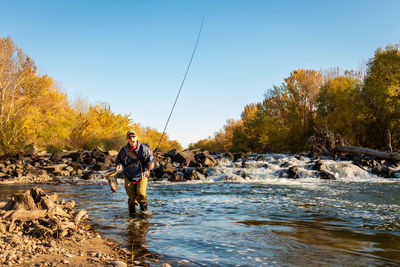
{"points": [[258, 220]]}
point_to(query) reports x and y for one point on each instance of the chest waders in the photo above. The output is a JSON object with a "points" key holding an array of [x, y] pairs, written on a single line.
{"points": [[135, 187]]}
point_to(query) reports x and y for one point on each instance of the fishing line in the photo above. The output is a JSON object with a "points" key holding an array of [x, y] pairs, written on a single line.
{"points": [[183, 81]]}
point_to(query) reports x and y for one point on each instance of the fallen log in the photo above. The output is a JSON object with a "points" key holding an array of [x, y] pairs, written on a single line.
{"points": [[27, 215], [368, 152]]}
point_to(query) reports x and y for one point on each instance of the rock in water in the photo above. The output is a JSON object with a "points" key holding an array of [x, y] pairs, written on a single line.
{"points": [[326, 175]]}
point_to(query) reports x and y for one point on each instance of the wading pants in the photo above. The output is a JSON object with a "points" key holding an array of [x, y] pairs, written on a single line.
{"points": [[136, 193]]}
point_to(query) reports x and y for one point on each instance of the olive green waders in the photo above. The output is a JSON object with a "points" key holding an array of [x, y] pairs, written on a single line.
{"points": [[136, 194]]}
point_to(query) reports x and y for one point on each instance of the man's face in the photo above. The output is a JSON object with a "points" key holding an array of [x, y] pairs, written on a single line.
{"points": [[132, 139]]}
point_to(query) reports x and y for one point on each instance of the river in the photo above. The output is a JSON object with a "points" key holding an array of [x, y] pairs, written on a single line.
{"points": [[260, 220]]}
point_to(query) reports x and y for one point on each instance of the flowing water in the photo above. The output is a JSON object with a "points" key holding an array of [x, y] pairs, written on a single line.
{"points": [[259, 220]]}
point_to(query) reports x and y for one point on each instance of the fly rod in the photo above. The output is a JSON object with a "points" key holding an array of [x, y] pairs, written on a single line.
{"points": [[182, 83]]}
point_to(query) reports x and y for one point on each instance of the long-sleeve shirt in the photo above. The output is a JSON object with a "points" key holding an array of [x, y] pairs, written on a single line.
{"points": [[135, 168]]}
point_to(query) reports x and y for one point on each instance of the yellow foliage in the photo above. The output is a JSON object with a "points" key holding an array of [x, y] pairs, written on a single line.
{"points": [[152, 137], [34, 113]]}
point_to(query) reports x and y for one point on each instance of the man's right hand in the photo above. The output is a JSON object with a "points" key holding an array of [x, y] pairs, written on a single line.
{"points": [[119, 168]]}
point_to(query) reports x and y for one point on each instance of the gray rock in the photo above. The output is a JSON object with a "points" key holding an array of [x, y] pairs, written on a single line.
{"points": [[326, 175], [318, 166], [293, 172]]}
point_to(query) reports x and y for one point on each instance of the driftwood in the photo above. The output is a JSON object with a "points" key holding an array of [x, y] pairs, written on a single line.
{"points": [[39, 214], [40, 230], [368, 152], [27, 215], [79, 216], [323, 142], [2, 228]]}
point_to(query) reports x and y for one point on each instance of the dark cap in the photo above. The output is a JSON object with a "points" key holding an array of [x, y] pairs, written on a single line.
{"points": [[131, 132]]}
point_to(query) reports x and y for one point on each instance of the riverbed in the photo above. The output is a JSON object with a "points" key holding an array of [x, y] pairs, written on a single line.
{"points": [[257, 219]]}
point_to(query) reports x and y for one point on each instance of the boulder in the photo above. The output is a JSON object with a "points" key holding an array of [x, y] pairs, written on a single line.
{"points": [[97, 153], [260, 158], [205, 159], [285, 165], [293, 172], [318, 166], [76, 166], [243, 174], [99, 166], [326, 175], [202, 171], [182, 157], [32, 171], [168, 168], [56, 157], [176, 177], [231, 177], [238, 156], [229, 156], [195, 164], [164, 170], [192, 174], [55, 168], [158, 172], [383, 171]]}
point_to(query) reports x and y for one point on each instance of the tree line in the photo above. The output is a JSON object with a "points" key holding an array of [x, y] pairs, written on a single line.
{"points": [[35, 113], [364, 107]]}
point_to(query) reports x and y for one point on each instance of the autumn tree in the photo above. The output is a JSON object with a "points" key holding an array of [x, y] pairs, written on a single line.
{"points": [[152, 137], [381, 95], [99, 127], [33, 112], [339, 107]]}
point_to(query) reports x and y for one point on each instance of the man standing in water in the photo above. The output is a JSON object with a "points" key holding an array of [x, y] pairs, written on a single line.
{"points": [[136, 161]]}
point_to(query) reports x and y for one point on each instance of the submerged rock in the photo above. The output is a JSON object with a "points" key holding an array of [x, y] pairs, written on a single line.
{"points": [[383, 171], [231, 177], [326, 175], [318, 166], [293, 172]]}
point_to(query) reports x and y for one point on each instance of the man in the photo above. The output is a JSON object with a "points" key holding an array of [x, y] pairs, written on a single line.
{"points": [[135, 160]]}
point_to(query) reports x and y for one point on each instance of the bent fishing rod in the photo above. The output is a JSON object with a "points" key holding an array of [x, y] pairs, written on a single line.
{"points": [[182, 83]]}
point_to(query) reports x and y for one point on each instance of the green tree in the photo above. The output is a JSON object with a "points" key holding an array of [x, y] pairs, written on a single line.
{"points": [[381, 96]]}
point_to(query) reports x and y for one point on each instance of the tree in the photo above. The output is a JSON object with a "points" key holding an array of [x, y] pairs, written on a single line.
{"points": [[381, 96], [302, 88], [152, 137], [99, 127], [339, 107]]}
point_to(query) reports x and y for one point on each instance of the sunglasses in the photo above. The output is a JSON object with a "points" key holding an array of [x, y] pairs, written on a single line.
{"points": [[132, 137]]}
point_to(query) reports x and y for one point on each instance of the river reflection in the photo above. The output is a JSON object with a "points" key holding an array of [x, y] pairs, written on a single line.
{"points": [[136, 235]]}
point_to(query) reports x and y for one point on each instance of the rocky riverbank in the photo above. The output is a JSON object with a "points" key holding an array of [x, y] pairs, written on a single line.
{"points": [[43, 168], [174, 166], [39, 229]]}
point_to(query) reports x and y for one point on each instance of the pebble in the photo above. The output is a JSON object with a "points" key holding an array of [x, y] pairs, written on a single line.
{"points": [[52, 243], [166, 265], [65, 261]]}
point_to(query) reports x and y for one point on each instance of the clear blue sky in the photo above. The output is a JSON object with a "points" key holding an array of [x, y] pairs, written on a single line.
{"points": [[133, 54]]}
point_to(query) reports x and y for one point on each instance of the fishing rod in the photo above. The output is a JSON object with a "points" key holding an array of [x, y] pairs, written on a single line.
{"points": [[183, 81]]}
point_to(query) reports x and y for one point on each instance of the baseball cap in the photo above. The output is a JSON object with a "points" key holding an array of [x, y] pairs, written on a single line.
{"points": [[131, 132]]}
